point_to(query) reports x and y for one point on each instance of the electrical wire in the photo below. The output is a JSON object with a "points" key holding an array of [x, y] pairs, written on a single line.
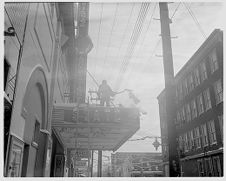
{"points": [[195, 20], [109, 41], [134, 29], [127, 25], [148, 27], [133, 40], [125, 31], [101, 16], [159, 41], [175, 11]]}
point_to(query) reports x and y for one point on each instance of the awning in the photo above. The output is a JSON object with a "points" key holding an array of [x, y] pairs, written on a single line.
{"points": [[94, 127]]}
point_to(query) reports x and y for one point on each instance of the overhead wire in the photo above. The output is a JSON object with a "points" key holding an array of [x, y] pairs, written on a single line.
{"points": [[134, 29], [121, 78], [127, 63], [125, 30], [159, 40], [133, 40], [175, 10], [148, 27], [195, 20], [109, 41], [123, 36], [101, 17]]}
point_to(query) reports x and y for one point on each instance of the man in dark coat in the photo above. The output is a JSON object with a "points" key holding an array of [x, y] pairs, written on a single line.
{"points": [[105, 93]]}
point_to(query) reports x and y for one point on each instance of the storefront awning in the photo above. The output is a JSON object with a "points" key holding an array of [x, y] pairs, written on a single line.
{"points": [[94, 127]]}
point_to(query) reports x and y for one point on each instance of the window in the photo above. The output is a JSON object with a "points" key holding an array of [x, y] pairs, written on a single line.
{"points": [[188, 112], [208, 167], [212, 132], [203, 71], [196, 77], [185, 85], [183, 115], [191, 143], [190, 82], [213, 61], [200, 167], [181, 145], [217, 166], [180, 92], [218, 91], [178, 118], [185, 142], [200, 104], [197, 139], [220, 118], [193, 109], [207, 99], [204, 135]]}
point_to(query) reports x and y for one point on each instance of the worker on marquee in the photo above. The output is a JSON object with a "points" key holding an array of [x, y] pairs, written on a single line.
{"points": [[105, 93]]}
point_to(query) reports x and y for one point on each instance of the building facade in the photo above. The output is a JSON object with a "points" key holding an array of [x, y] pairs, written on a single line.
{"points": [[199, 120], [132, 164], [49, 127], [35, 76]]}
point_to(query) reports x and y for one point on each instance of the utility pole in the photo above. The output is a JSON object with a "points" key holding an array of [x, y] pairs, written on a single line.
{"points": [[99, 169], [92, 163], [170, 92]]}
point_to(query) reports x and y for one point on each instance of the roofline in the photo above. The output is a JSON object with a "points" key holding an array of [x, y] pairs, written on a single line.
{"points": [[213, 35], [216, 32]]}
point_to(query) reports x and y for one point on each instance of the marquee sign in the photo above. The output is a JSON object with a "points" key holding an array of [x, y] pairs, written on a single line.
{"points": [[92, 127], [80, 153], [83, 113]]}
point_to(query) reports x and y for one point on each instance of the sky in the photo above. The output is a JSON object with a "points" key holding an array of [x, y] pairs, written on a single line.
{"points": [[126, 54]]}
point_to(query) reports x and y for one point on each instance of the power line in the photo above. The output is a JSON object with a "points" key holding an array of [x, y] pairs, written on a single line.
{"points": [[126, 30], [159, 41], [195, 20], [130, 15], [109, 41], [101, 14], [175, 10], [149, 25], [134, 29], [133, 40]]}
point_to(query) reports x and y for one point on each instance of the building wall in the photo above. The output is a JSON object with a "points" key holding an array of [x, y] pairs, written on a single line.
{"points": [[34, 96], [127, 164], [190, 118]]}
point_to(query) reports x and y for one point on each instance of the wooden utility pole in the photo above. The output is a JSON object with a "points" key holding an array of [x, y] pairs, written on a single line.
{"points": [[170, 92], [91, 169], [99, 169]]}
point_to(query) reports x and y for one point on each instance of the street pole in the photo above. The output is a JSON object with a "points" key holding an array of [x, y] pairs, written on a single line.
{"points": [[92, 164], [170, 93], [99, 169]]}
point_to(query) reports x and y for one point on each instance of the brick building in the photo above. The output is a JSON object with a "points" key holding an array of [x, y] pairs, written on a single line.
{"points": [[199, 121], [133, 164]]}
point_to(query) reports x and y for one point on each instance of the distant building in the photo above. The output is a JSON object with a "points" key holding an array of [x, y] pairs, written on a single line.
{"points": [[134, 164], [199, 121]]}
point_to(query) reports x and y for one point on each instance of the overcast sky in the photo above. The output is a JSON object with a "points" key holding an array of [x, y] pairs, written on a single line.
{"points": [[111, 28]]}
